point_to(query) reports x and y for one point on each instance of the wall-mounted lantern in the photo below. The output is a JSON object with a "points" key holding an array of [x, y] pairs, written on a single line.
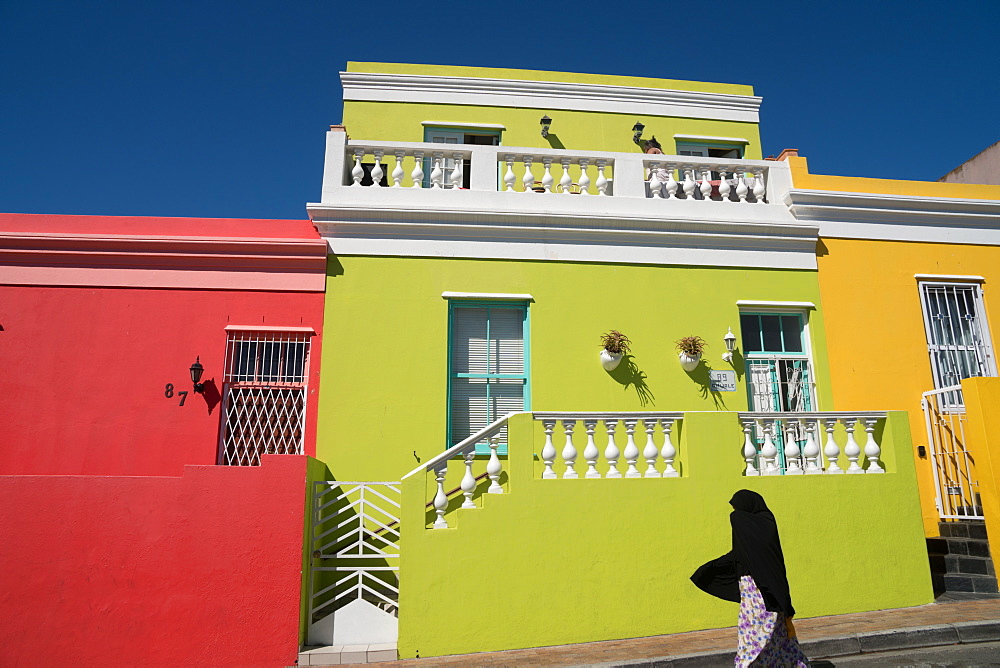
{"points": [[196, 370], [730, 340], [637, 130], [546, 122]]}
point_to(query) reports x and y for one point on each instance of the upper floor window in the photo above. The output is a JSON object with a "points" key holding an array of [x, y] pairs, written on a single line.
{"points": [[958, 340], [777, 361]]}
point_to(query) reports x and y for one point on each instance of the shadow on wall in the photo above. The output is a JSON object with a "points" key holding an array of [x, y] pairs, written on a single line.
{"points": [[629, 374], [702, 376]]}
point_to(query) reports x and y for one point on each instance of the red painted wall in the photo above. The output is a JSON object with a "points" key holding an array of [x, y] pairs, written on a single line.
{"points": [[85, 370], [198, 570]]}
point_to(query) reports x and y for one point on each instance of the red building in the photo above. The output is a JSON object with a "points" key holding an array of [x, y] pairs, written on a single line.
{"points": [[119, 520]]}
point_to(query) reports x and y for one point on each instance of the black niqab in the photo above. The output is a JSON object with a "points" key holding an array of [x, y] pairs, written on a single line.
{"points": [[756, 552]]}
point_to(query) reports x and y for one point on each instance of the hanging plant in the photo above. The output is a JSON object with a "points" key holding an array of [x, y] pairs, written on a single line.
{"points": [[615, 345], [690, 350]]}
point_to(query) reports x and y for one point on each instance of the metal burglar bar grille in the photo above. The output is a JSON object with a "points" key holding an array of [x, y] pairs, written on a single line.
{"points": [[264, 396]]}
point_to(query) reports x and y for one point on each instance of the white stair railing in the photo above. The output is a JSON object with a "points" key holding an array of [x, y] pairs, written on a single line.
{"points": [[789, 443]]}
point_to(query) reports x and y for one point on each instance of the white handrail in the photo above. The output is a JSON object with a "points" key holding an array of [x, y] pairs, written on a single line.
{"points": [[462, 447]]}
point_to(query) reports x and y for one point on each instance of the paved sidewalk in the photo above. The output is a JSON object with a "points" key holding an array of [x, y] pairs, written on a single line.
{"points": [[941, 623]]}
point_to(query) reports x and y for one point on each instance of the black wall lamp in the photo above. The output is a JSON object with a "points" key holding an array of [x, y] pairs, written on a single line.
{"points": [[546, 122], [637, 129], [196, 370]]}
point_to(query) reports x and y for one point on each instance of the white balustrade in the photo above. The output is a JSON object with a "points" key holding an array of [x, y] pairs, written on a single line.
{"points": [[469, 480], [650, 452], [591, 453], [668, 451], [494, 468], [569, 450], [799, 452], [549, 450], [612, 453]]}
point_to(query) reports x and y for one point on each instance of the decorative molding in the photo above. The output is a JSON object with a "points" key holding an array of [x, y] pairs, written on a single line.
{"points": [[848, 215], [450, 124], [949, 277], [773, 304], [218, 263], [488, 295], [489, 92], [731, 140], [267, 328]]}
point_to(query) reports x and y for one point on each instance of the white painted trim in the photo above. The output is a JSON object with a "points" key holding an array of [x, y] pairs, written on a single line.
{"points": [[771, 304], [449, 124], [548, 95], [487, 295], [847, 215], [268, 328], [949, 277], [733, 140]]}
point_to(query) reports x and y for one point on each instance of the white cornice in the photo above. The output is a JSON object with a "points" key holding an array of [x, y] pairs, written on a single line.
{"points": [[731, 140], [449, 124], [897, 217], [773, 304], [949, 277], [488, 295], [427, 89], [424, 223]]}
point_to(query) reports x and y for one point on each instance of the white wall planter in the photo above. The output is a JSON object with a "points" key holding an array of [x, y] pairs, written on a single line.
{"points": [[689, 363], [610, 361]]}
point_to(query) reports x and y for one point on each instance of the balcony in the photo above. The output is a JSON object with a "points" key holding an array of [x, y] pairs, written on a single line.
{"points": [[437, 200]]}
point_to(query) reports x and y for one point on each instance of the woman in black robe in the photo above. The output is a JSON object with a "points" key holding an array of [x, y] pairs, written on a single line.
{"points": [[752, 574]]}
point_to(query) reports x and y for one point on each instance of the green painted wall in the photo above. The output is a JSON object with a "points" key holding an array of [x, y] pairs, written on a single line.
{"points": [[565, 561], [384, 360]]}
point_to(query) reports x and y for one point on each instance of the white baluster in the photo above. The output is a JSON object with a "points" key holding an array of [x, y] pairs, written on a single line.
{"points": [[851, 448], [811, 451], [440, 499], [724, 187], [493, 468], [769, 451], [602, 181], [611, 453], [741, 187], [631, 450], [650, 451], [584, 177], [689, 184], [456, 173], [668, 451], [749, 449], [549, 450], [569, 450], [832, 450], [358, 172], [509, 178], [565, 181], [792, 464], [547, 178], [528, 179], [397, 172], [437, 174], [655, 187], [671, 186], [758, 186], [706, 185], [468, 480], [377, 172], [591, 453], [417, 175], [872, 451]]}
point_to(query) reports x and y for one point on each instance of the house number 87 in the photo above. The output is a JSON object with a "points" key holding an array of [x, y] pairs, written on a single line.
{"points": [[168, 392]]}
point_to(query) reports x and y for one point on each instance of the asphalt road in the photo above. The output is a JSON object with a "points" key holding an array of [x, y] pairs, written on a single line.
{"points": [[957, 656]]}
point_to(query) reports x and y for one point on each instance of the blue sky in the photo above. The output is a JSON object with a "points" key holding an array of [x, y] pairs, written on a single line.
{"points": [[219, 108]]}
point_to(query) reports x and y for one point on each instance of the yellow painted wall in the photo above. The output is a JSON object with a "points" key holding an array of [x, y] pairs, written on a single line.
{"points": [[982, 397], [566, 561], [383, 396]]}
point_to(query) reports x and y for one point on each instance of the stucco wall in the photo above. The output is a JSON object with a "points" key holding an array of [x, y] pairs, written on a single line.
{"points": [[199, 570], [565, 561]]}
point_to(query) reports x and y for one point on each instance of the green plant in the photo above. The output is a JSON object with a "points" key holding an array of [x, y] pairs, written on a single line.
{"points": [[691, 345], [615, 342]]}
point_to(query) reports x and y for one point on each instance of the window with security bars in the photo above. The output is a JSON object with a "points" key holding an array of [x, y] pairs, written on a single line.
{"points": [[264, 395], [487, 367], [778, 370], [958, 340]]}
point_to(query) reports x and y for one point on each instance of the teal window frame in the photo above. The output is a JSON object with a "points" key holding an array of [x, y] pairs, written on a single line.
{"points": [[525, 375], [679, 145]]}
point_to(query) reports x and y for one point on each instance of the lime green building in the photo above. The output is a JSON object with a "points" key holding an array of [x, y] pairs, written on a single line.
{"points": [[486, 227]]}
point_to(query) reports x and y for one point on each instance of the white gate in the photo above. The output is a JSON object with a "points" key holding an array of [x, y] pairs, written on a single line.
{"points": [[955, 484], [354, 570]]}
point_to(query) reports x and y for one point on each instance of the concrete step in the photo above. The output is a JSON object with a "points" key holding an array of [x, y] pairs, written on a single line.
{"points": [[336, 655], [961, 564], [963, 529], [970, 547], [957, 582]]}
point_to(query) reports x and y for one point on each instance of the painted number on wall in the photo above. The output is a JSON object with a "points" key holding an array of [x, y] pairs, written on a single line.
{"points": [[168, 392]]}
